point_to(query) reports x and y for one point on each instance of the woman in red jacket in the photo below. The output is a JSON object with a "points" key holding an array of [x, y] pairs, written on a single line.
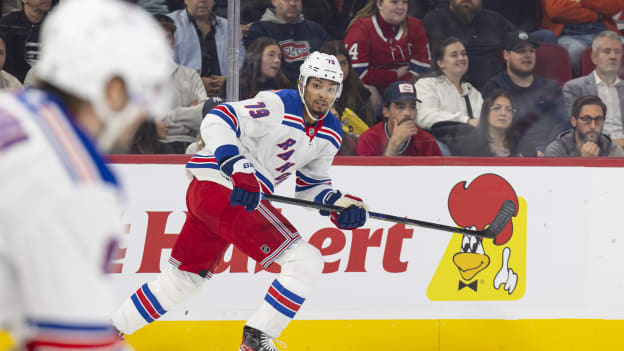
{"points": [[386, 45]]}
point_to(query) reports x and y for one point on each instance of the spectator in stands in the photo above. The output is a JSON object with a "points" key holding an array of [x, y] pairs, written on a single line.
{"points": [[262, 68], [7, 80], [386, 45], [450, 106], [497, 137], [297, 36], [335, 15], [525, 15], [354, 107], [201, 43], [21, 34], [576, 23], [541, 111], [181, 124], [153, 6], [482, 31], [603, 82], [250, 12], [146, 139], [355, 96], [585, 138], [398, 135]]}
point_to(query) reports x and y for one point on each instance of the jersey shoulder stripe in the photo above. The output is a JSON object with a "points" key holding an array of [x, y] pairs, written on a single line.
{"points": [[295, 122], [75, 150], [228, 114], [331, 130]]}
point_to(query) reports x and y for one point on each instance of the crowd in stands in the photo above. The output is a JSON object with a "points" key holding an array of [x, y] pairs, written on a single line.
{"points": [[421, 77]]}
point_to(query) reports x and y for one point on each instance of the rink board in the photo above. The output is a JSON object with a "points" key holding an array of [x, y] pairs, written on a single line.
{"points": [[555, 283]]}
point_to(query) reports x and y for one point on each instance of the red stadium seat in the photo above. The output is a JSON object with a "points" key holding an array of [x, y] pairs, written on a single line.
{"points": [[553, 61], [587, 66]]}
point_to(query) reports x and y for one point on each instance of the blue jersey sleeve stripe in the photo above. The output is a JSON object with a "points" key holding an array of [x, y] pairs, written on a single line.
{"points": [[265, 180], [300, 188], [279, 307], [332, 140], [294, 125], [153, 299], [289, 294], [141, 309], [227, 120], [59, 326], [202, 165], [310, 180]]}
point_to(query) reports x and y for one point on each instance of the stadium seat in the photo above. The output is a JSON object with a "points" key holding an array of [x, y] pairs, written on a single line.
{"points": [[553, 61], [587, 66]]}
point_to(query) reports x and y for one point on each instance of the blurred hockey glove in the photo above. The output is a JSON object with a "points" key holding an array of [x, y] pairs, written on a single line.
{"points": [[352, 217], [246, 187]]}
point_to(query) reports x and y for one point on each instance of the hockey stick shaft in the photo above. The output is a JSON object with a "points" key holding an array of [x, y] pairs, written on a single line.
{"points": [[500, 221]]}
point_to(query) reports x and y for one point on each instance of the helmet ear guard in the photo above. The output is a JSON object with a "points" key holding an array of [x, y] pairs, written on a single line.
{"points": [[322, 66]]}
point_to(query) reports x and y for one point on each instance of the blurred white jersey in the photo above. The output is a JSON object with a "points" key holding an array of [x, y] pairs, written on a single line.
{"points": [[270, 131], [59, 219]]}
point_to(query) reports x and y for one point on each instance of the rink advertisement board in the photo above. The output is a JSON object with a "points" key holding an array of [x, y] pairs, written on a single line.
{"points": [[559, 259]]}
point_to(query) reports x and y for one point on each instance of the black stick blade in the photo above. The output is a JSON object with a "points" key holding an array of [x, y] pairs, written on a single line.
{"points": [[503, 217]]}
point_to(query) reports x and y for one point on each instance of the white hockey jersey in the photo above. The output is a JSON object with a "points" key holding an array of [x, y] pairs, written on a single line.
{"points": [[270, 131], [59, 219]]}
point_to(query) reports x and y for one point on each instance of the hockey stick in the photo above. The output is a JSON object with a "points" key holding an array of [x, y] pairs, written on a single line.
{"points": [[496, 226]]}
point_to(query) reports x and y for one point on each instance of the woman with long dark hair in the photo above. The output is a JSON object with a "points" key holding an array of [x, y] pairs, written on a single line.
{"points": [[355, 95], [262, 68], [497, 134]]}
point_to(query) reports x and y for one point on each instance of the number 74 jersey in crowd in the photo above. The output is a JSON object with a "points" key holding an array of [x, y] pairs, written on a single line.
{"points": [[270, 131]]}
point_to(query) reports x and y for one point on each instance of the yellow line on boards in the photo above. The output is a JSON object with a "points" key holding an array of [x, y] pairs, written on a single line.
{"points": [[390, 335]]}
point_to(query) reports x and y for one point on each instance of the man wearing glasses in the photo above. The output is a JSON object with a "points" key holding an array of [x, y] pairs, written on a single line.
{"points": [[585, 139]]}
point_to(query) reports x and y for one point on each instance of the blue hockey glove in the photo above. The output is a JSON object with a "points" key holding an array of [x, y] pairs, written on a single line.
{"points": [[246, 190], [352, 217]]}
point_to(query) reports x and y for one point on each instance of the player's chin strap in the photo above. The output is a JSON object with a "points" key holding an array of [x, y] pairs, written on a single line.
{"points": [[302, 88]]}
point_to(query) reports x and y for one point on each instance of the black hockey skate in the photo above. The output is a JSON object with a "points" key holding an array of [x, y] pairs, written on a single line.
{"points": [[256, 340]]}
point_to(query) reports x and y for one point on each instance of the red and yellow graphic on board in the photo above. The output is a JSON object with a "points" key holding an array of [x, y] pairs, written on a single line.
{"points": [[475, 269]]}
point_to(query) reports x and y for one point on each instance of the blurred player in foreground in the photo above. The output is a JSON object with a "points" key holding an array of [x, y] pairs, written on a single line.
{"points": [[103, 68], [252, 146]]}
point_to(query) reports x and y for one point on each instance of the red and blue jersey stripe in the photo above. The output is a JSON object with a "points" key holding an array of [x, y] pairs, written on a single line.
{"points": [[331, 135], [58, 336], [228, 114], [202, 161], [304, 182], [147, 304], [283, 300]]}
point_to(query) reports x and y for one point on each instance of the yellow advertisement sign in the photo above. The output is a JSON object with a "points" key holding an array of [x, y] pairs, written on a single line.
{"points": [[475, 269]]}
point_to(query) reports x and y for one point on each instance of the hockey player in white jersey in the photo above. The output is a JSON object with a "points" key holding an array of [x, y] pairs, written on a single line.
{"points": [[252, 146], [102, 68]]}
